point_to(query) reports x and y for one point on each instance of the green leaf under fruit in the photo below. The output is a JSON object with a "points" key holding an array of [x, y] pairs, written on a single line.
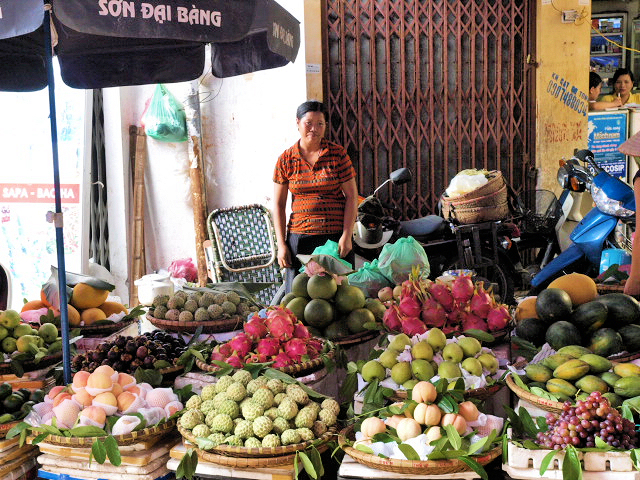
{"points": [[479, 335], [409, 451], [546, 461], [571, 467], [87, 431], [113, 453], [99, 451], [475, 466]]}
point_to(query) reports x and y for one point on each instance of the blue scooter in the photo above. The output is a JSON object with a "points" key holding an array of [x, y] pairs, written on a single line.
{"points": [[614, 201]]}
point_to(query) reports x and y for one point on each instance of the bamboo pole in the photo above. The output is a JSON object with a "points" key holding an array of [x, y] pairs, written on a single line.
{"points": [[138, 264], [196, 174]]}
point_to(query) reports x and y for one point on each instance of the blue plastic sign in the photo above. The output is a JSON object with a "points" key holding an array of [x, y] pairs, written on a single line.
{"points": [[606, 133]]}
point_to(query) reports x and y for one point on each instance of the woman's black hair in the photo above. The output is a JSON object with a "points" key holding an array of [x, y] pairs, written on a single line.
{"points": [[311, 106], [594, 80], [622, 71]]}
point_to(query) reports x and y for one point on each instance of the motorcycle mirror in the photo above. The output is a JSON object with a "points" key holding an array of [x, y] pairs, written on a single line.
{"points": [[400, 176]]}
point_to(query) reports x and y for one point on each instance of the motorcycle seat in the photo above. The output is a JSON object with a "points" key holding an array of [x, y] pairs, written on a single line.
{"points": [[421, 227]]}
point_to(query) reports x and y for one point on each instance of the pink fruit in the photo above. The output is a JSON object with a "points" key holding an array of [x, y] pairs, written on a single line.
{"points": [[473, 322], [442, 294], [255, 358], [456, 317], [241, 344], [217, 356], [268, 346], [462, 289], [413, 326], [300, 331], [280, 324], [256, 329], [296, 348], [391, 319], [433, 314], [498, 318], [282, 360], [409, 307], [234, 361], [225, 349], [385, 294], [481, 303]]}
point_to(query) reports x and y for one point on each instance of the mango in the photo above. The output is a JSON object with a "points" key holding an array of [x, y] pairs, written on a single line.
{"points": [[560, 386], [538, 372], [627, 387], [555, 360], [591, 383], [627, 370], [576, 351], [610, 378], [572, 370], [614, 400], [597, 364]]}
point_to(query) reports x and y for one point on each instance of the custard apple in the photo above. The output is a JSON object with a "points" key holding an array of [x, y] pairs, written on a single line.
{"points": [[272, 413], [194, 403], [319, 428], [264, 397], [223, 383], [222, 423], [287, 409], [272, 440], [256, 383], [252, 410], [219, 398], [306, 434], [289, 437], [262, 426], [331, 405], [277, 398], [234, 441], [229, 407], [191, 418], [201, 430], [252, 442], [210, 416], [207, 406], [242, 376], [280, 425], [327, 417], [276, 385], [208, 392], [244, 429], [217, 438], [305, 418], [296, 393], [236, 392]]}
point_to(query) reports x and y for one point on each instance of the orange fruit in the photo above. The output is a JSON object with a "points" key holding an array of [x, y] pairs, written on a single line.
{"points": [[91, 315], [86, 296], [74, 316], [33, 305]]}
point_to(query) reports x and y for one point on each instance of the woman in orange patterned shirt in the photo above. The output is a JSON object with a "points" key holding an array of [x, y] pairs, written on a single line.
{"points": [[321, 179]]}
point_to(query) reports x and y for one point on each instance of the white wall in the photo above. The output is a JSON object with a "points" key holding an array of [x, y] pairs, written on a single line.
{"points": [[247, 121]]}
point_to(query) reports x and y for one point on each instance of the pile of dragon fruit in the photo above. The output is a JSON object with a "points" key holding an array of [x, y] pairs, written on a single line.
{"points": [[453, 307], [273, 335]]}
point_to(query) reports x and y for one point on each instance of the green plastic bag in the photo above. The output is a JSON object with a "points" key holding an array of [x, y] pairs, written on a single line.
{"points": [[165, 119], [330, 248], [369, 279], [396, 260]]}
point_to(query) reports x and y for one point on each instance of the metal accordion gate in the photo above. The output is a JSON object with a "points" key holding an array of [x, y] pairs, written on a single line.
{"points": [[437, 86]]}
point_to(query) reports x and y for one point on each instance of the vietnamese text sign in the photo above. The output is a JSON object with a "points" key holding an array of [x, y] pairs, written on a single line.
{"points": [[606, 133]]}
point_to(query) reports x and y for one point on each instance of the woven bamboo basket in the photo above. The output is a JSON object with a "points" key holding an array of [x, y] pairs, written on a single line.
{"points": [[30, 366], [5, 427], [293, 370], [604, 288], [122, 440], [477, 393], [106, 328], [543, 403], [232, 451], [212, 326], [486, 203], [251, 462], [411, 467], [357, 338]]}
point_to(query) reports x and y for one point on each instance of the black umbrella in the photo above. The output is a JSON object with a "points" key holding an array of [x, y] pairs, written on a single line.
{"points": [[107, 43]]}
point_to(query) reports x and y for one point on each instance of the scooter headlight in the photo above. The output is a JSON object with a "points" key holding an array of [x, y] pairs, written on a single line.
{"points": [[609, 205]]}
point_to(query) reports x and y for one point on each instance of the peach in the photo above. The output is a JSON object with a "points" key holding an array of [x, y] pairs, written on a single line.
{"points": [[125, 380], [469, 411], [80, 380], [458, 422], [60, 397], [94, 416], [107, 401], [82, 398]]}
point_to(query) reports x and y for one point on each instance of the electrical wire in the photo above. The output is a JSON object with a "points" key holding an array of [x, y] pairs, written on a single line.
{"points": [[613, 42]]}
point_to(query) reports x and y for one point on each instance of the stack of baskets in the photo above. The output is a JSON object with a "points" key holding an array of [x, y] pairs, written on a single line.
{"points": [[486, 203]]}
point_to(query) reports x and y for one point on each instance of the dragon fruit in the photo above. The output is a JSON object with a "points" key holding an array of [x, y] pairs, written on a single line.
{"points": [[433, 314], [241, 344], [314, 346], [462, 289], [391, 319], [300, 331], [256, 328], [481, 302], [498, 318], [269, 346], [234, 361], [280, 324], [217, 356], [282, 360], [442, 294], [225, 349], [456, 317], [255, 358], [413, 326], [474, 322], [296, 348], [409, 306]]}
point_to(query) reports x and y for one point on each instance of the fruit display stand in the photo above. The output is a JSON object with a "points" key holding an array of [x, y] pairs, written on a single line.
{"points": [[34, 380], [91, 342]]}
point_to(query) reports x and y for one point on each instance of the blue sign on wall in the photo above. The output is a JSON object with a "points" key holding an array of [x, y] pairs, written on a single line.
{"points": [[607, 131]]}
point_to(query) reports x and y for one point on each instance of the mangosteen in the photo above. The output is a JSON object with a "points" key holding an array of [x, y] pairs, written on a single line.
{"points": [[160, 351], [96, 356], [142, 352], [131, 346], [126, 357], [79, 358], [113, 355], [104, 347], [148, 361], [141, 340], [162, 356], [120, 341], [135, 363], [118, 366], [106, 361]]}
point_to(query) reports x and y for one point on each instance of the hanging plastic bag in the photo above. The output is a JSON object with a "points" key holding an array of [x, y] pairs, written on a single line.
{"points": [[369, 279], [165, 119], [330, 248], [396, 260]]}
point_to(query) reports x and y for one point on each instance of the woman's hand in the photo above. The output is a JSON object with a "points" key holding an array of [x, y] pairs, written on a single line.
{"points": [[345, 245], [284, 256], [632, 286]]}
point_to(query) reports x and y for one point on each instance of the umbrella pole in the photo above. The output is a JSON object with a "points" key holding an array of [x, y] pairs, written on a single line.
{"points": [[57, 218]]}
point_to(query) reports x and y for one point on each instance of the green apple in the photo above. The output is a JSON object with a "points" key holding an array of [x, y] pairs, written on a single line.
{"points": [[23, 329], [388, 358], [489, 362], [422, 350], [9, 319], [409, 384], [449, 370], [4, 333], [470, 346], [401, 372], [437, 339], [373, 370], [453, 353], [422, 369], [9, 345], [473, 366], [399, 342]]}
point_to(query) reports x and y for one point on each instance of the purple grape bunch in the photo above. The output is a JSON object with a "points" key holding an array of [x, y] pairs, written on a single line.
{"points": [[580, 424]]}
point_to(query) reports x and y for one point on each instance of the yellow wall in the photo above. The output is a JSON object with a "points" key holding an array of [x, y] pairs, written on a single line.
{"points": [[562, 81]]}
